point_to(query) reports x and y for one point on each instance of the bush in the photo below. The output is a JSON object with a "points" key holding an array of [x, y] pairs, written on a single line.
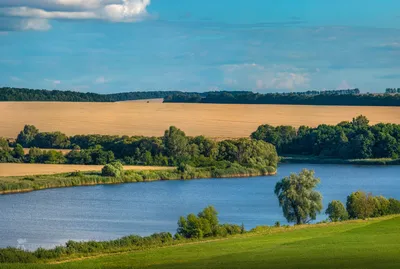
{"points": [[360, 205], [336, 211], [205, 224], [114, 169], [15, 255]]}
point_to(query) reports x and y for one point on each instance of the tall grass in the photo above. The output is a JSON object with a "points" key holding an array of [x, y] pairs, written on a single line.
{"points": [[30, 183]]}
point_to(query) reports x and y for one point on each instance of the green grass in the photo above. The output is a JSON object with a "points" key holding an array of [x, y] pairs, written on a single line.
{"points": [[355, 244]]}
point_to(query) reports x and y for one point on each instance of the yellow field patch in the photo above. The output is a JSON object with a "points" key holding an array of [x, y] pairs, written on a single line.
{"points": [[152, 119], [25, 169]]}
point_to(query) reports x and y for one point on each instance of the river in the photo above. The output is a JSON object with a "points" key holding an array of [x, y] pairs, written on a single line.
{"points": [[51, 217]]}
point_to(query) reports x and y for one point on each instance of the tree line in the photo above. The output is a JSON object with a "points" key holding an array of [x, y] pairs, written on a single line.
{"points": [[172, 149], [354, 139], [23, 94], [392, 90], [350, 97]]}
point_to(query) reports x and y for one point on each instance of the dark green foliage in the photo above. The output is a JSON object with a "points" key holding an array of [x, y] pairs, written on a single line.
{"points": [[37, 155], [173, 149], [394, 206], [94, 155], [347, 140], [336, 211], [18, 94], [6, 154], [55, 140], [27, 136], [18, 152], [392, 90], [205, 224], [351, 97], [176, 145], [114, 169], [15, 255], [299, 201]]}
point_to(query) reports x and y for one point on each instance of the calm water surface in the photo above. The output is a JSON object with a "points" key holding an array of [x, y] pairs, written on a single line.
{"points": [[51, 217]]}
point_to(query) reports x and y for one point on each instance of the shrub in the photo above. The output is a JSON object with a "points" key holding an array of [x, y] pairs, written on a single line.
{"points": [[114, 169], [15, 255], [360, 205], [336, 211]]}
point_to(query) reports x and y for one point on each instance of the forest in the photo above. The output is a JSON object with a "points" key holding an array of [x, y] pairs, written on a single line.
{"points": [[172, 149], [351, 97], [354, 139], [19, 94]]}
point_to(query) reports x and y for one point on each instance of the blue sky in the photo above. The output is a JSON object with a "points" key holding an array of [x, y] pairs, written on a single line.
{"points": [[199, 45]]}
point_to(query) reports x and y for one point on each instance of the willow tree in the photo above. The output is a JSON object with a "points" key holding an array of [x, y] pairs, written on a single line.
{"points": [[299, 201]]}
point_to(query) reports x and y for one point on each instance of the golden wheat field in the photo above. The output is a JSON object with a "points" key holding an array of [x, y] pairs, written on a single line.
{"points": [[151, 119], [28, 169]]}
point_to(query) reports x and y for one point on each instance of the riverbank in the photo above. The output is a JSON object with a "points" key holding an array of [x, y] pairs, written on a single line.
{"points": [[18, 184], [321, 160], [359, 240]]}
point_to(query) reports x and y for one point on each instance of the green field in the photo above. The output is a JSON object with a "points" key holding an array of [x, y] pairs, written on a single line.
{"points": [[355, 244]]}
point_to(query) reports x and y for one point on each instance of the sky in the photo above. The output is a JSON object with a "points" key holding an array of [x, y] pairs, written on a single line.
{"points": [[108, 46]]}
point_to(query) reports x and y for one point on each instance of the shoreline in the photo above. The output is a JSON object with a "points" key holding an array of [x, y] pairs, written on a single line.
{"points": [[65, 180], [319, 160]]}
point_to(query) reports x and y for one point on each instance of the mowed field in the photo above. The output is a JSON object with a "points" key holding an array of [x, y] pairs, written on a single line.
{"points": [[355, 244], [151, 119], [25, 169]]}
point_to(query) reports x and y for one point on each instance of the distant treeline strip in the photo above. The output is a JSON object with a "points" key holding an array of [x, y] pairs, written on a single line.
{"points": [[18, 94], [328, 98], [350, 97]]}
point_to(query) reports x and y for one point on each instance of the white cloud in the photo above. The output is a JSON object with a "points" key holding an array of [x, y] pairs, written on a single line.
{"points": [[54, 82], [344, 85], [260, 77], [101, 80], [34, 24], [36, 13], [15, 79]]}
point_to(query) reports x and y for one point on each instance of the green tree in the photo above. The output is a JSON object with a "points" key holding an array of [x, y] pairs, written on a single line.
{"points": [[18, 152], [175, 143], [27, 135], [205, 224], [336, 211], [299, 201], [210, 215], [394, 206], [381, 207], [360, 205], [360, 121]]}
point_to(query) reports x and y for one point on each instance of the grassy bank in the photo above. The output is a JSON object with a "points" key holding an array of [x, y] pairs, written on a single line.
{"points": [[18, 184], [321, 160], [353, 244]]}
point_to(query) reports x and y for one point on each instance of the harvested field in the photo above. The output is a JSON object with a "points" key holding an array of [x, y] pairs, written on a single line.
{"points": [[151, 119], [25, 169], [155, 100]]}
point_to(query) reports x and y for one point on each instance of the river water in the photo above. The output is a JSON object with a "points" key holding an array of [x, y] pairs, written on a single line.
{"points": [[51, 217]]}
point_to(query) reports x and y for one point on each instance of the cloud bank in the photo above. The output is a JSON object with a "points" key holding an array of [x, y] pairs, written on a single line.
{"points": [[36, 14]]}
